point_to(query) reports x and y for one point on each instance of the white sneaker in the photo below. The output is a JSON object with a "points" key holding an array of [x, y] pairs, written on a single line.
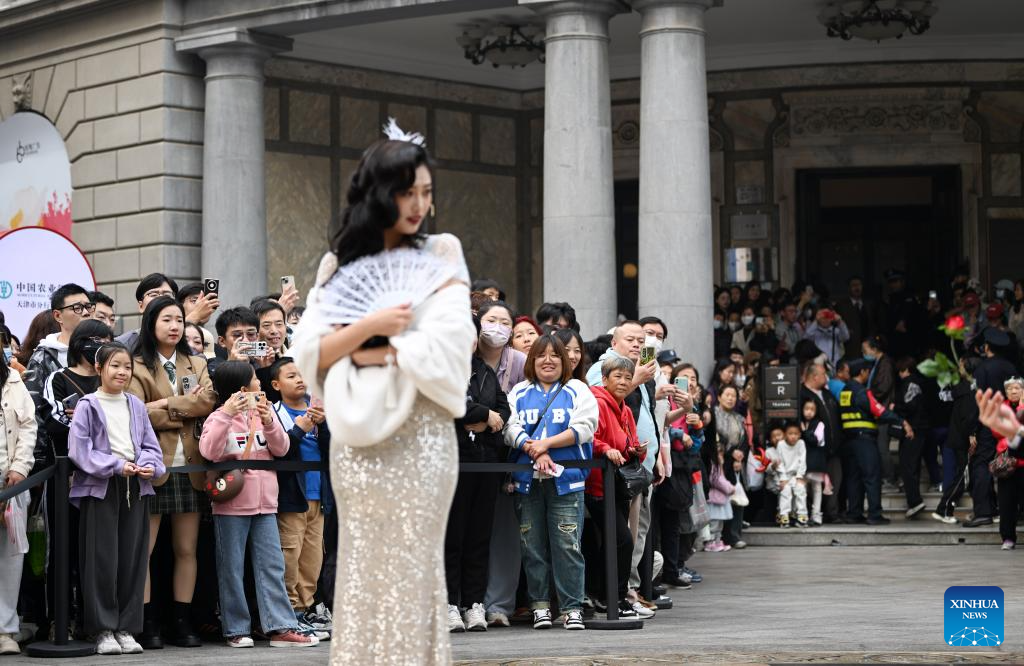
{"points": [[240, 642], [8, 645], [455, 624], [542, 618], [127, 642], [573, 620], [107, 644], [949, 520], [476, 618], [642, 611], [498, 620]]}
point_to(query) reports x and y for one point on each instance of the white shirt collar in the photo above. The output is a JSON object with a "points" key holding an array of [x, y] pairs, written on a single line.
{"points": [[173, 359]]}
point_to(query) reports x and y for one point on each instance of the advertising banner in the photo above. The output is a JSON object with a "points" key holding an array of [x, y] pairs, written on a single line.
{"points": [[35, 175], [34, 261]]}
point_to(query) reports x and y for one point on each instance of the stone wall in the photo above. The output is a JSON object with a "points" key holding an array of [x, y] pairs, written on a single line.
{"points": [[768, 124], [130, 110], [319, 119]]}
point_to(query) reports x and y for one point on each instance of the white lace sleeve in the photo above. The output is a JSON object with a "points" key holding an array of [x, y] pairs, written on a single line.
{"points": [[448, 247]]}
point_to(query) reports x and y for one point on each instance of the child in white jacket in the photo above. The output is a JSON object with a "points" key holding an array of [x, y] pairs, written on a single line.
{"points": [[789, 463]]}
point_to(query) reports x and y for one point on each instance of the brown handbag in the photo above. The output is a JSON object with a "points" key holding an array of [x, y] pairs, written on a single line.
{"points": [[224, 486]]}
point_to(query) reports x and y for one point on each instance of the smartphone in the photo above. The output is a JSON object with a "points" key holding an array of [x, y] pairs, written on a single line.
{"points": [[759, 320], [932, 294], [211, 286], [253, 398], [683, 383], [646, 354], [256, 349], [70, 401], [188, 382], [287, 281]]}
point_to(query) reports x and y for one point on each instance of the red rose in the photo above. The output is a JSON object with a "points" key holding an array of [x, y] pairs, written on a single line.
{"points": [[955, 323]]}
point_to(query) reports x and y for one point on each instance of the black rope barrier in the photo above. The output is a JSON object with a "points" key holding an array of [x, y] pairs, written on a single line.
{"points": [[62, 646]]}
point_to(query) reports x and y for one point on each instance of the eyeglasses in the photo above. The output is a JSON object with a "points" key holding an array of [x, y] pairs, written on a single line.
{"points": [[80, 308], [156, 293]]}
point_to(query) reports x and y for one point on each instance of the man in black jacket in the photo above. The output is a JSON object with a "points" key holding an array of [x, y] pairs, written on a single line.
{"points": [[963, 427], [992, 373], [814, 388], [912, 405]]}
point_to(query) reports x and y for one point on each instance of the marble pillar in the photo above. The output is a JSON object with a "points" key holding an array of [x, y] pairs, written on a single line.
{"points": [[234, 236], [676, 263], [579, 211]]}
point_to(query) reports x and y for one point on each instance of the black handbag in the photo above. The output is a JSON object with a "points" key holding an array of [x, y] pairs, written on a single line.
{"points": [[632, 478]]}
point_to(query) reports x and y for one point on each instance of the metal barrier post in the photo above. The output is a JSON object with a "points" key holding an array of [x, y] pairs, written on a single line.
{"points": [[61, 645], [610, 558]]}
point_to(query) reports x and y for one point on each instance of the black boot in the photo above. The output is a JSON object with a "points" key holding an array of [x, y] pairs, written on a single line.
{"points": [[150, 637], [182, 633]]}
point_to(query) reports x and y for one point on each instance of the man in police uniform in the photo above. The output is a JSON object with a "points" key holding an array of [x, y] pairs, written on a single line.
{"points": [[859, 415]]}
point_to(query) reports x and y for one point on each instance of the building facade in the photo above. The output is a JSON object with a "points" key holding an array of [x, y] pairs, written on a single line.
{"points": [[215, 139]]}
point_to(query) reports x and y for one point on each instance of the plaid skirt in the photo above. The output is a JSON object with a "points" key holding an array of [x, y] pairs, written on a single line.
{"points": [[177, 495]]}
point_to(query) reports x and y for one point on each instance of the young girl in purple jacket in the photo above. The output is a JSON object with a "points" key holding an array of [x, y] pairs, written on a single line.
{"points": [[113, 444]]}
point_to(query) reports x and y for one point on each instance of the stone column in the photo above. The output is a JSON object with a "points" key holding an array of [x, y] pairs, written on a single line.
{"points": [[234, 246], [579, 210], [676, 262]]}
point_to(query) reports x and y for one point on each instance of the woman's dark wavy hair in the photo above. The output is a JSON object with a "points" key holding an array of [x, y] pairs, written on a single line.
{"points": [[146, 347], [386, 169]]}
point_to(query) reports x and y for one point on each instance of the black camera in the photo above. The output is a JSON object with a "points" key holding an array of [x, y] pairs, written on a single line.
{"points": [[211, 286]]}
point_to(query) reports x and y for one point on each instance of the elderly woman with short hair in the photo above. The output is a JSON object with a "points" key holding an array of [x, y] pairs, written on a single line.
{"points": [[616, 440]]}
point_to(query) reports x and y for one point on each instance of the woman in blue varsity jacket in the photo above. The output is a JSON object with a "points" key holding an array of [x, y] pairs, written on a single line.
{"points": [[552, 422]]}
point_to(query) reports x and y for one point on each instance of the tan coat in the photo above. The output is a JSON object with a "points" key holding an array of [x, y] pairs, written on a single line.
{"points": [[20, 417], [182, 412]]}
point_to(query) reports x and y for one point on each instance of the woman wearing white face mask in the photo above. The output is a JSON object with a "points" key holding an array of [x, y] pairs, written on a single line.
{"points": [[504, 559], [495, 332], [741, 338]]}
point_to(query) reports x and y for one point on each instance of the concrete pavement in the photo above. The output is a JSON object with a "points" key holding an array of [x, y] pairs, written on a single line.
{"points": [[760, 605]]}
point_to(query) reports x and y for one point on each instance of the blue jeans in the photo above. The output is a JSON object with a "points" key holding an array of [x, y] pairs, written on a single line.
{"points": [[232, 533], [550, 526]]}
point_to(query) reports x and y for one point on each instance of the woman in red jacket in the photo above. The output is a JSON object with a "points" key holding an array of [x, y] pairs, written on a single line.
{"points": [[616, 440]]}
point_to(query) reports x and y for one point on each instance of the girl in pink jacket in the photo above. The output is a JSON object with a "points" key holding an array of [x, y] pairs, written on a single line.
{"points": [[251, 516]]}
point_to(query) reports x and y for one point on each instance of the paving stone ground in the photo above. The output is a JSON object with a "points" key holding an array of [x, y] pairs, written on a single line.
{"points": [[761, 605]]}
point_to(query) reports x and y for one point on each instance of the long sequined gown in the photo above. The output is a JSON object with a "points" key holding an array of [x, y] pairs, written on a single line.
{"points": [[393, 500]]}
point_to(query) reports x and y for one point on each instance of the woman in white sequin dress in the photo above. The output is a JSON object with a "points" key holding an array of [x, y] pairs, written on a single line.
{"points": [[393, 470]]}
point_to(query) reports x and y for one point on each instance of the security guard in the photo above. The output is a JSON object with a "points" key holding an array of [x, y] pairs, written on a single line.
{"points": [[860, 415]]}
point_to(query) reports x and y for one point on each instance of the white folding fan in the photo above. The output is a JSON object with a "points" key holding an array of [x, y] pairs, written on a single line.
{"points": [[383, 280]]}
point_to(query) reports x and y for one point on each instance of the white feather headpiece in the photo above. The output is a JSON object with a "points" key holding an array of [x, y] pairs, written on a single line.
{"points": [[396, 133]]}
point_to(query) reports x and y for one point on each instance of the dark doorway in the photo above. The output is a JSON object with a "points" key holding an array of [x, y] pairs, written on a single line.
{"points": [[864, 222], [627, 245]]}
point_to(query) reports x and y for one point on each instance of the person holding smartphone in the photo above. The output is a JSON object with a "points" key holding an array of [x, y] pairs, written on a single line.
{"points": [[244, 426], [117, 454], [64, 388]]}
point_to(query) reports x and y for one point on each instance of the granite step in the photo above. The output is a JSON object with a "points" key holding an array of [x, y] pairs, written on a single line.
{"points": [[903, 533]]}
